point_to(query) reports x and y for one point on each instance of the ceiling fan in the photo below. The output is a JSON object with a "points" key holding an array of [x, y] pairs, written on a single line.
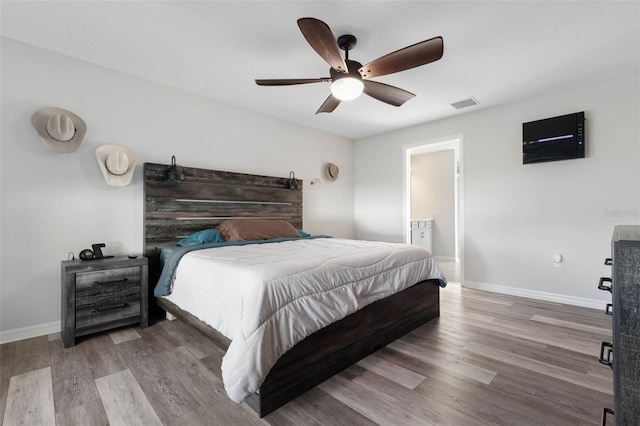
{"points": [[349, 78]]}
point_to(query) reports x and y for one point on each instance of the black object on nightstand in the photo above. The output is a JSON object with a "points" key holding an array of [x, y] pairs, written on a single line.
{"points": [[102, 294]]}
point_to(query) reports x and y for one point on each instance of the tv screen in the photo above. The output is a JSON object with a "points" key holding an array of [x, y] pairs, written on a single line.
{"points": [[553, 139]]}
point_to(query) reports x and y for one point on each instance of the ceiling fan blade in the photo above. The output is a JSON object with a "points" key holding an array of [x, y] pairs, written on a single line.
{"points": [[386, 93], [291, 81], [322, 40], [409, 57], [329, 104]]}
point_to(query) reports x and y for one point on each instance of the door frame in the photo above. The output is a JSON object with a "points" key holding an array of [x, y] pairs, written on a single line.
{"points": [[454, 142]]}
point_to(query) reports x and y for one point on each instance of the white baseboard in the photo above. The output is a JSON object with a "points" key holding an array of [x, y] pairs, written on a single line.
{"points": [[538, 295], [55, 326], [29, 332]]}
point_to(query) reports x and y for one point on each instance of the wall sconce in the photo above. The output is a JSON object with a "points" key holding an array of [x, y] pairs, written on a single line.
{"points": [[315, 180], [175, 172], [292, 183]]}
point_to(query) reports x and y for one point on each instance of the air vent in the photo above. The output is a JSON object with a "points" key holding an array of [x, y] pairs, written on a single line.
{"points": [[464, 103]]}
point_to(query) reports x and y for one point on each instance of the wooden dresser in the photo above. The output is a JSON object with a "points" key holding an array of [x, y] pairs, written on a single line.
{"points": [[623, 354], [102, 294]]}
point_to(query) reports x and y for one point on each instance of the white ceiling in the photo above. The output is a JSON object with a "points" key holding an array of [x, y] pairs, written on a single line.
{"points": [[495, 51]]}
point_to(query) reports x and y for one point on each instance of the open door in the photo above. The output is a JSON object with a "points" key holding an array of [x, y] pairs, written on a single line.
{"points": [[433, 202]]}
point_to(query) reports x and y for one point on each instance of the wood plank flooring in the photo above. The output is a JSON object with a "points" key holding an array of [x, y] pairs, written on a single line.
{"points": [[488, 360]]}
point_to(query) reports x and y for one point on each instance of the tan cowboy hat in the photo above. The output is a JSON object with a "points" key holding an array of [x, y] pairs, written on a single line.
{"points": [[331, 171], [117, 164], [60, 130]]}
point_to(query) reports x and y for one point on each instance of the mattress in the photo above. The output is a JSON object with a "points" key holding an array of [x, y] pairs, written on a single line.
{"points": [[267, 297]]}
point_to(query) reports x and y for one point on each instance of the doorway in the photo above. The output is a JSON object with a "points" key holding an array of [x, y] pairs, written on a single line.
{"points": [[433, 194]]}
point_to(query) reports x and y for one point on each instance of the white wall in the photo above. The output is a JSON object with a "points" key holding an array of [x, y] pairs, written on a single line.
{"points": [[433, 197], [53, 204], [515, 216]]}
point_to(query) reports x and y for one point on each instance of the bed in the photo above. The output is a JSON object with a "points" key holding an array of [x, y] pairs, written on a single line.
{"points": [[206, 198]]}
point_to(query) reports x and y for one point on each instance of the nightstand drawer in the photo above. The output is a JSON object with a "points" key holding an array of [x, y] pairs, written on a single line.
{"points": [[105, 296], [112, 310], [120, 276]]}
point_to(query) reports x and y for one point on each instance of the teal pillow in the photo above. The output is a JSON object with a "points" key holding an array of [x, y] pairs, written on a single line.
{"points": [[302, 233], [201, 237]]}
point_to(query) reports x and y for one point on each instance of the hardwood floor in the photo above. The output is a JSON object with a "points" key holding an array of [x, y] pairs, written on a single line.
{"points": [[488, 360]]}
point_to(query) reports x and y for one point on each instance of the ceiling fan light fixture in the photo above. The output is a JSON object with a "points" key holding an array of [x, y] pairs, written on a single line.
{"points": [[347, 75], [347, 88]]}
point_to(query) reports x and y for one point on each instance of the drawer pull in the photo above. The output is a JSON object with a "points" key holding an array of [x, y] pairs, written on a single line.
{"points": [[603, 286], [609, 309], [608, 360], [604, 415], [608, 261], [97, 310], [124, 280]]}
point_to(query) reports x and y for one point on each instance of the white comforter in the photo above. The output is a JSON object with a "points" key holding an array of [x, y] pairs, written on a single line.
{"points": [[268, 297]]}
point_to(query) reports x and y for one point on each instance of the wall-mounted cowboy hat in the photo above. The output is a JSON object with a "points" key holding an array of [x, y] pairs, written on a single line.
{"points": [[331, 171], [117, 164], [60, 130]]}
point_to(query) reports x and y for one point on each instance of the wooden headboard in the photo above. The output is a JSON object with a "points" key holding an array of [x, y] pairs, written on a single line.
{"points": [[206, 198]]}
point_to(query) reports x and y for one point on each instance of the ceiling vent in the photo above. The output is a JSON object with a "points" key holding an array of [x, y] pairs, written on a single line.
{"points": [[464, 103]]}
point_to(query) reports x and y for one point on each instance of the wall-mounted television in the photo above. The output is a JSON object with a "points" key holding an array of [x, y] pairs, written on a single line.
{"points": [[553, 139]]}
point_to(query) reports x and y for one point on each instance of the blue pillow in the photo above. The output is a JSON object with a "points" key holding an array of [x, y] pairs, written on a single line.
{"points": [[201, 237], [302, 233]]}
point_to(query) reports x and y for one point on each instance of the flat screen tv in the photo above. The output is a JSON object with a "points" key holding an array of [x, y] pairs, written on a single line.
{"points": [[553, 139]]}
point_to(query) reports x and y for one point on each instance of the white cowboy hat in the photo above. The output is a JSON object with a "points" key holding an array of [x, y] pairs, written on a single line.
{"points": [[60, 130], [117, 164]]}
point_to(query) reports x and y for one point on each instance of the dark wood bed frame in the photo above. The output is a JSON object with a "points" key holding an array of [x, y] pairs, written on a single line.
{"points": [[206, 198]]}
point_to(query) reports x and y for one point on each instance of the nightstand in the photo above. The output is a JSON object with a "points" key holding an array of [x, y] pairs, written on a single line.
{"points": [[102, 294]]}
